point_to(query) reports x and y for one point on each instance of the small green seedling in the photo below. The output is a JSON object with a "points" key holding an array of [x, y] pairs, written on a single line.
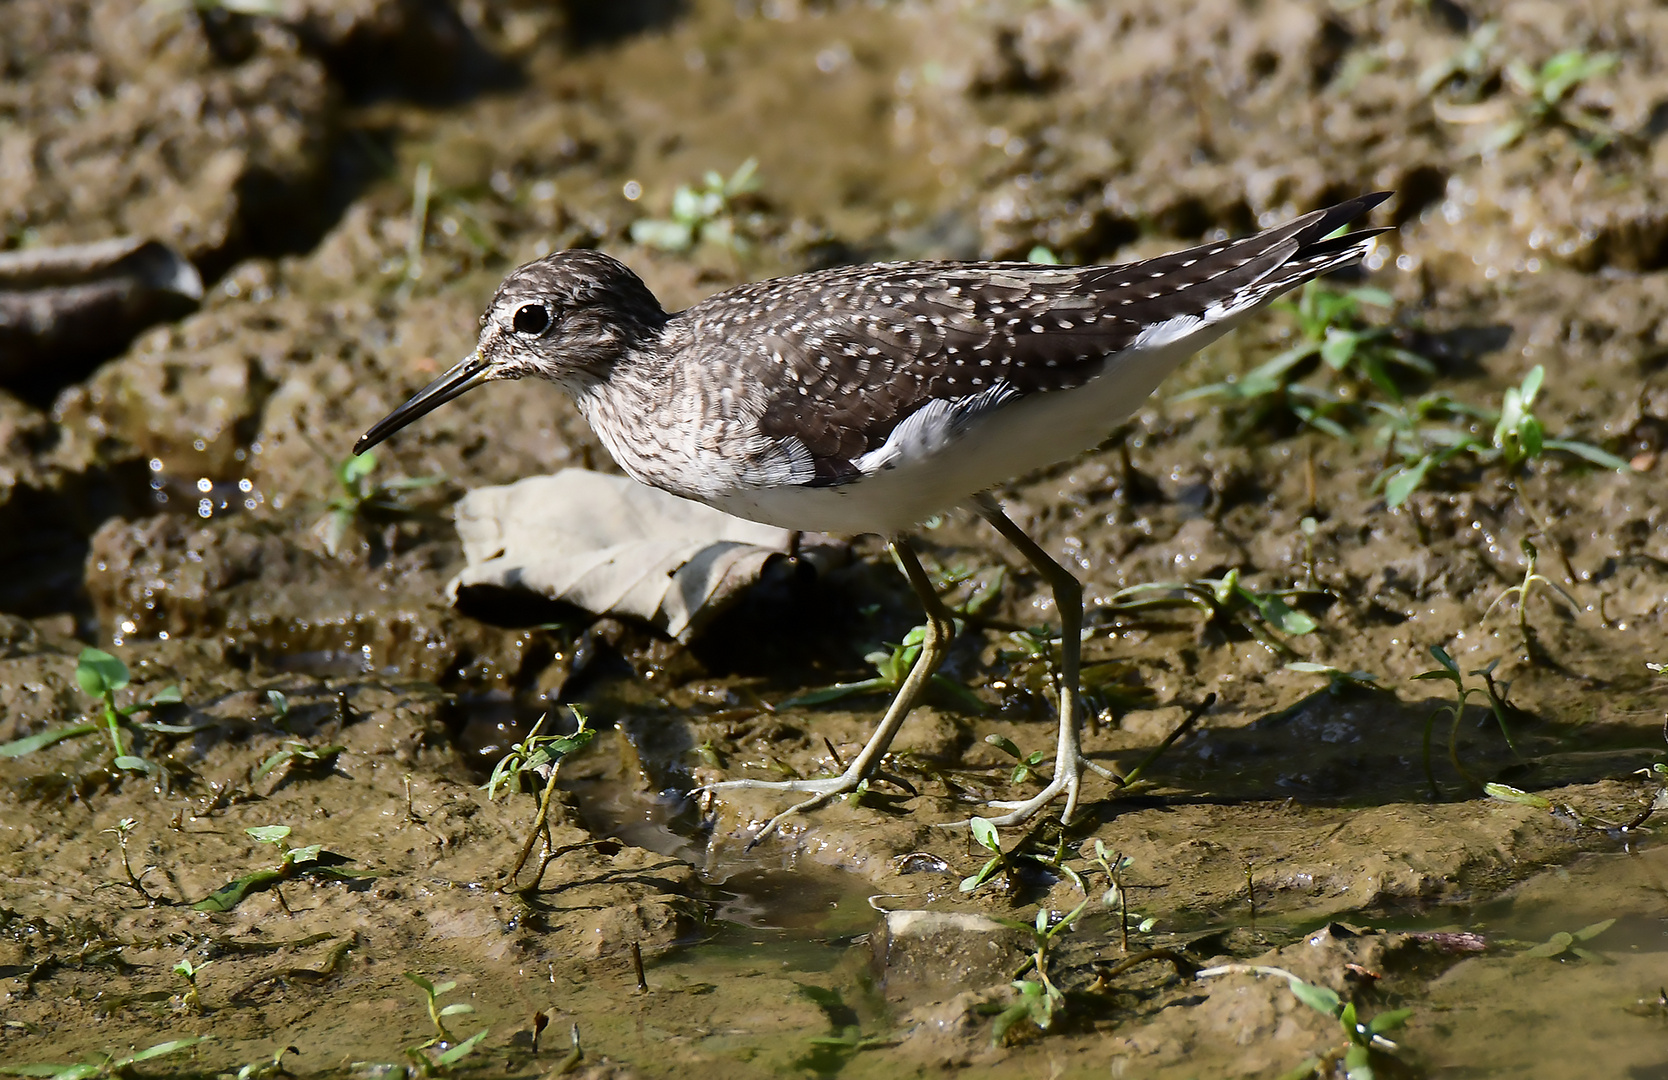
{"points": [[983, 587], [188, 971], [1103, 688], [280, 709], [298, 756], [892, 667], [1359, 357], [1309, 527], [1565, 945], [1545, 91], [360, 500], [1530, 579], [432, 993], [1518, 438], [1028, 763], [1468, 69], [1039, 999], [1363, 1041], [134, 881], [1338, 681], [1496, 694], [830, 1053], [1508, 793], [293, 862], [105, 1066], [101, 675], [263, 1070], [709, 214], [440, 1064], [1113, 864], [1332, 328], [1657, 804], [848, 1040], [1225, 600], [535, 754], [1028, 850], [985, 835], [422, 186]]}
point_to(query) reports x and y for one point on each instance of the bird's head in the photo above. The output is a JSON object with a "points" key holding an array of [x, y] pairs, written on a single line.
{"points": [[567, 318]]}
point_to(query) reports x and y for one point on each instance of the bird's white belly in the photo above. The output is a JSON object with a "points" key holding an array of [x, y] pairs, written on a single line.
{"points": [[1011, 441]]}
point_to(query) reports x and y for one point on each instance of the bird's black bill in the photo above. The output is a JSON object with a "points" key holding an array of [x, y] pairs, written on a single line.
{"points": [[469, 373]]}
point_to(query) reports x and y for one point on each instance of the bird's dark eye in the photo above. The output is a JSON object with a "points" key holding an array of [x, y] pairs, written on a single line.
{"points": [[531, 319]]}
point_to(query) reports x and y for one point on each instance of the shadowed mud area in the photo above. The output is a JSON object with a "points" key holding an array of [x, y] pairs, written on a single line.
{"points": [[353, 180]]}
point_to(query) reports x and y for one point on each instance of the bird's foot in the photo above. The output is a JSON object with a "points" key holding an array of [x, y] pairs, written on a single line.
{"points": [[1067, 781], [822, 790]]}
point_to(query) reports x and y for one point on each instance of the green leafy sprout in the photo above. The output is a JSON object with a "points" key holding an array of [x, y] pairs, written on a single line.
{"points": [[1545, 91], [1029, 850], [538, 754], [188, 971], [293, 862], [361, 500], [1027, 763], [1493, 691], [1531, 578], [1363, 1040], [280, 709], [1469, 68], [830, 1053], [892, 666], [1658, 773], [1113, 864], [985, 835], [264, 1069], [105, 1066], [1039, 1000], [1567, 945], [1369, 378], [453, 1051], [134, 881], [1540, 95], [1338, 681], [1225, 600], [298, 755], [102, 675], [1334, 337], [1034, 668], [1518, 438], [535, 754], [709, 214]]}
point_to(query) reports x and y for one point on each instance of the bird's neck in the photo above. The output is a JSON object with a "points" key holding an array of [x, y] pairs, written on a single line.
{"points": [[636, 386]]}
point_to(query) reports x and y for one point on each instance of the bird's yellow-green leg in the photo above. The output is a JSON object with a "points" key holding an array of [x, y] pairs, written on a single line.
{"points": [[941, 630], [1069, 761]]}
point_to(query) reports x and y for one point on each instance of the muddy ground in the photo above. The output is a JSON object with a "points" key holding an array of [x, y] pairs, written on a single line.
{"points": [[170, 503]]}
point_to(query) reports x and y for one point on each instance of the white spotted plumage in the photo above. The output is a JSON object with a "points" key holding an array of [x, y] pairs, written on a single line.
{"points": [[867, 398], [998, 370]]}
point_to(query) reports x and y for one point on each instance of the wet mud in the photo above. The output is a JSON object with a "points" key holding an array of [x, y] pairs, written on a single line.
{"points": [[353, 181]]}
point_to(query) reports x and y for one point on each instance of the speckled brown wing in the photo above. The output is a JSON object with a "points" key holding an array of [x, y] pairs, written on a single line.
{"points": [[883, 341]]}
